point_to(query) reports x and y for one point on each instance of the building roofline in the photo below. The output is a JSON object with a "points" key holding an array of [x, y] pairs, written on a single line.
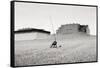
{"points": [[31, 30]]}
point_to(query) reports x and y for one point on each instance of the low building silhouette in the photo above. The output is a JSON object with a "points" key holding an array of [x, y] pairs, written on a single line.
{"points": [[73, 28], [31, 34]]}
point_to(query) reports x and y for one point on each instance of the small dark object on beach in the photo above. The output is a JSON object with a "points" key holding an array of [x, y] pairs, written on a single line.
{"points": [[60, 46], [54, 45]]}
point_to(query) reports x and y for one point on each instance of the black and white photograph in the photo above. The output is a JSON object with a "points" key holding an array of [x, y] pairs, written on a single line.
{"points": [[51, 33]]}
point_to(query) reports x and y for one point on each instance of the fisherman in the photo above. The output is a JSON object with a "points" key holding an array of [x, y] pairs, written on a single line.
{"points": [[54, 44]]}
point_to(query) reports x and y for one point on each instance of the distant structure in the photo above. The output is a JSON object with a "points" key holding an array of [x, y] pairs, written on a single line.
{"points": [[73, 28], [31, 34]]}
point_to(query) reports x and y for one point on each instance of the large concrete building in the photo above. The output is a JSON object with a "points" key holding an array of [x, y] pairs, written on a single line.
{"points": [[31, 34], [73, 28]]}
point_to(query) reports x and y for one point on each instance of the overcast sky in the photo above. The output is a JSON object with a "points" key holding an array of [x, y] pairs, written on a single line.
{"points": [[41, 16]]}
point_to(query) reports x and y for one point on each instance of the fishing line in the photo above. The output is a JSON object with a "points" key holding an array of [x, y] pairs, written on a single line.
{"points": [[52, 27]]}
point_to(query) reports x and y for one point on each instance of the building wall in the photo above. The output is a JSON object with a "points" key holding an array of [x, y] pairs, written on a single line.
{"points": [[25, 36], [30, 36], [68, 29], [87, 30], [42, 35]]}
